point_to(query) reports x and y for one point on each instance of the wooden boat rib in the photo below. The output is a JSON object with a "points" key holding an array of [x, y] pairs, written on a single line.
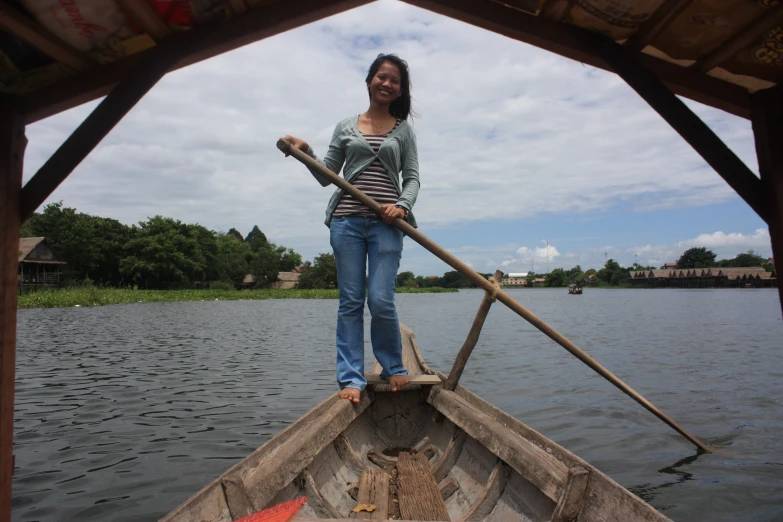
{"points": [[478, 462]]}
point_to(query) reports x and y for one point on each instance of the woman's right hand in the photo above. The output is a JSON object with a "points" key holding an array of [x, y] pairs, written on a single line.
{"points": [[296, 142]]}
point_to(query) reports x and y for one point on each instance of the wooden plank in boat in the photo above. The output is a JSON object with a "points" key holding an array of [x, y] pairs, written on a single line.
{"points": [[374, 378], [374, 489], [417, 490]]}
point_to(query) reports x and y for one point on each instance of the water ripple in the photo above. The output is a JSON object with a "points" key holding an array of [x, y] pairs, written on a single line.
{"points": [[123, 412]]}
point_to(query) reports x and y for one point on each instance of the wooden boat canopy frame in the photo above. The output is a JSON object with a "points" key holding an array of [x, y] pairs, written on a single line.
{"points": [[661, 48]]}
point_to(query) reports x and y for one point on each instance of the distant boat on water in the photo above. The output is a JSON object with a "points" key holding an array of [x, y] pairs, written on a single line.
{"points": [[575, 289]]}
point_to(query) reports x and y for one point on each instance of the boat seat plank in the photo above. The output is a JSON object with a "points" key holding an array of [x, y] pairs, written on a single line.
{"points": [[529, 460], [374, 378], [374, 489], [417, 492]]}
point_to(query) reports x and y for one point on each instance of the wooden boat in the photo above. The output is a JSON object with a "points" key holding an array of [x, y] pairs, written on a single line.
{"points": [[423, 453], [575, 289]]}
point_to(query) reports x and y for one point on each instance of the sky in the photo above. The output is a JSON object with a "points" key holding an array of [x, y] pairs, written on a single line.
{"points": [[528, 160]]}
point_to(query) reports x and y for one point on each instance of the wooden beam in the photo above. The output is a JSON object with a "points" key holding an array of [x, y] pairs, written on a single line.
{"points": [[768, 131], [36, 35], [558, 38], [423, 379], [659, 21], [96, 126], [203, 42], [766, 21], [683, 120], [473, 335], [146, 16], [12, 145]]}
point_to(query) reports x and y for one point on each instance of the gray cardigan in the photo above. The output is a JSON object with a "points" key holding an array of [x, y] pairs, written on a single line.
{"points": [[350, 152]]}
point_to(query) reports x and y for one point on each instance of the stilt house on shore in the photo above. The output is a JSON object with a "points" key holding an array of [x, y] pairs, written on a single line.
{"points": [[729, 277], [38, 267]]}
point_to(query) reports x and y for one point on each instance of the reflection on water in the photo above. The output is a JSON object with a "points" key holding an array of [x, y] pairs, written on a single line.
{"points": [[648, 491], [123, 412]]}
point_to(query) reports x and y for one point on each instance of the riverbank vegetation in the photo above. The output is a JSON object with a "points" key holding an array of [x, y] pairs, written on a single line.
{"points": [[94, 296]]}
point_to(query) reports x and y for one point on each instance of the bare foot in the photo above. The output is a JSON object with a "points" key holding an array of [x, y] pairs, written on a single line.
{"points": [[397, 382], [351, 394]]}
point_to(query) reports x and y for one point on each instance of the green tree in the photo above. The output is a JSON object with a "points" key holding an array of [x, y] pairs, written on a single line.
{"points": [[406, 280], [605, 274], [454, 279], [265, 265], [288, 259], [575, 275], [233, 260], [163, 254], [233, 232], [747, 259], [256, 239], [557, 277], [428, 282], [322, 273], [619, 277], [696, 257]]}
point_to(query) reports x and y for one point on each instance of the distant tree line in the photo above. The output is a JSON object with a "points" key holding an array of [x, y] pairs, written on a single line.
{"points": [[611, 274], [165, 253], [451, 279], [159, 253], [700, 257]]}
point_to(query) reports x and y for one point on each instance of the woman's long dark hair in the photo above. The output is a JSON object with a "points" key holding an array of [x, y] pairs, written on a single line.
{"points": [[401, 107]]}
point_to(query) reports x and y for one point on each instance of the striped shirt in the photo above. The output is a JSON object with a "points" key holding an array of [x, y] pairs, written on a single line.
{"points": [[374, 182]]}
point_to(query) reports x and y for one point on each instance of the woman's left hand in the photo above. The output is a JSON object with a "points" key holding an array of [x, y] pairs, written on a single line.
{"points": [[390, 212]]}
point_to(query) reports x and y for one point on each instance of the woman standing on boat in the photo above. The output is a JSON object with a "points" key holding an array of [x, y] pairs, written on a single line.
{"points": [[374, 149]]}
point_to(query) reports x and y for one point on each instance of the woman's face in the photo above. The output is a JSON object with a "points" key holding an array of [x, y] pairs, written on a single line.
{"points": [[386, 85]]}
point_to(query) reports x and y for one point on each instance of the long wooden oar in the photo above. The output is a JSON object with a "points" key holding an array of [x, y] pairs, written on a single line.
{"points": [[485, 284]]}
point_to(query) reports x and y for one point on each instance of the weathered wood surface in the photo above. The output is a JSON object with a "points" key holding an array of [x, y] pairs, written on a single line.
{"points": [[12, 146], [237, 499], [621, 504], [448, 487], [484, 505], [441, 467], [534, 464], [36, 35], [322, 507], [374, 490], [418, 493], [302, 439], [429, 380], [572, 500], [473, 335], [268, 477]]}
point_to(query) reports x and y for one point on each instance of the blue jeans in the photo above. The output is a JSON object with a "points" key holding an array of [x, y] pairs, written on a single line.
{"points": [[361, 242]]}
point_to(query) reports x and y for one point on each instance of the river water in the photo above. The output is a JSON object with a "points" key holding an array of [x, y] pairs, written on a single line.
{"points": [[123, 412]]}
